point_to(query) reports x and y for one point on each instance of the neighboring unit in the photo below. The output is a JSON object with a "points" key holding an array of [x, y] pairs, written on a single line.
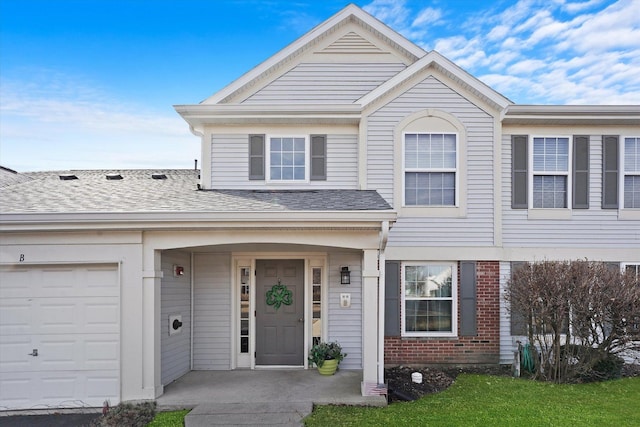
{"points": [[354, 188]]}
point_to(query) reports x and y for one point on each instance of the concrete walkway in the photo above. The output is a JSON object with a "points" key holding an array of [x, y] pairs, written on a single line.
{"points": [[260, 397]]}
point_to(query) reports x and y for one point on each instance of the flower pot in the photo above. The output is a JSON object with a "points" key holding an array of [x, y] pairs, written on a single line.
{"points": [[328, 367]]}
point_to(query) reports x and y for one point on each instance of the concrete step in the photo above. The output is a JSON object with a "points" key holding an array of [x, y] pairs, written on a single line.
{"points": [[246, 414]]}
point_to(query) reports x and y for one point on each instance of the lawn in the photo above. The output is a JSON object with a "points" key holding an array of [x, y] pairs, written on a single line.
{"points": [[169, 419], [481, 400]]}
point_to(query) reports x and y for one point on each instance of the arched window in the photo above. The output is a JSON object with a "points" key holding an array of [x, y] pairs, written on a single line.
{"points": [[430, 164]]}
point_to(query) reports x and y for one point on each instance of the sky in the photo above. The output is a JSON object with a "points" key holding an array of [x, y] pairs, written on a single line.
{"points": [[91, 84]]}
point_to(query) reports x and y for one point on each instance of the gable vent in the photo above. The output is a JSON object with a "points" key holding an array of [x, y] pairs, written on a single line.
{"points": [[352, 43], [113, 176], [68, 177], [158, 176]]}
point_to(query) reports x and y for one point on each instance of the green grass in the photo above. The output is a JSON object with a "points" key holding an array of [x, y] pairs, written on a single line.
{"points": [[481, 400], [169, 419]]}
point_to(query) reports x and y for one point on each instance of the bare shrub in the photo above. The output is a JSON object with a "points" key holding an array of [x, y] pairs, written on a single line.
{"points": [[579, 315]]}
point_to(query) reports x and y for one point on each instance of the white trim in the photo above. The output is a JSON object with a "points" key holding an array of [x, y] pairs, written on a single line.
{"points": [[420, 122], [348, 12], [568, 173], [622, 173], [267, 154], [435, 58], [454, 299], [248, 259], [455, 170]]}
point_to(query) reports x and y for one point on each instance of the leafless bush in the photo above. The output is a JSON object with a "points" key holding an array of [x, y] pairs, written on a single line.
{"points": [[579, 315]]}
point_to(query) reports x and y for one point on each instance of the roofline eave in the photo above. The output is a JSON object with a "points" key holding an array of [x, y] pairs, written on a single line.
{"points": [[27, 222]]}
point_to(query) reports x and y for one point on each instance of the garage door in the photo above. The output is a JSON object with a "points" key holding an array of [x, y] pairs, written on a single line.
{"points": [[59, 336]]}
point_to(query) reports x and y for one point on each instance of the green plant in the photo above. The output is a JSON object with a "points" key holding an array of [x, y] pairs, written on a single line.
{"points": [[326, 351], [169, 419]]}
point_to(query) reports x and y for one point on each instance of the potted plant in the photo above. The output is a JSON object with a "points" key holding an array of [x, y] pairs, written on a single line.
{"points": [[326, 356]]}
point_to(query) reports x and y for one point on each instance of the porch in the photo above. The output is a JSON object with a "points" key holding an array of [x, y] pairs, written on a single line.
{"points": [[262, 396]]}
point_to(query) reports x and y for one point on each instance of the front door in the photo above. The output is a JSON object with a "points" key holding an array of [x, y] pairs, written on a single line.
{"points": [[280, 312]]}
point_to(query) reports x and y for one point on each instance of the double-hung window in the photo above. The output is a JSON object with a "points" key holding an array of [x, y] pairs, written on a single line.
{"points": [[631, 178], [550, 176], [430, 169], [429, 299], [287, 159]]}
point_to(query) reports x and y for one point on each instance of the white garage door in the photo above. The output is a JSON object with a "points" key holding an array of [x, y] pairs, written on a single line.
{"points": [[59, 336]]}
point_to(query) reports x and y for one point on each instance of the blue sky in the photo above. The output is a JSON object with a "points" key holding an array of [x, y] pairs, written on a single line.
{"points": [[90, 84]]}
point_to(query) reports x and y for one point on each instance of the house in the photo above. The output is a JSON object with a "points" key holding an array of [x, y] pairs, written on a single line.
{"points": [[353, 187]]}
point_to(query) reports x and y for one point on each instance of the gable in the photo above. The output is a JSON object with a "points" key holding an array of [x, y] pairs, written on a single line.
{"points": [[350, 37]]}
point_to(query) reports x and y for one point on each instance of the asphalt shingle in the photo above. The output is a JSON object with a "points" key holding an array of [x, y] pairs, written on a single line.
{"points": [[137, 191]]}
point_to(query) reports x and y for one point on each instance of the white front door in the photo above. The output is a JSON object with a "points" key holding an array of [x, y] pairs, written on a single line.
{"points": [[59, 336]]}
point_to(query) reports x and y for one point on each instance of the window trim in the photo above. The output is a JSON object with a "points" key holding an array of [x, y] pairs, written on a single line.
{"points": [[430, 121], [454, 299], [568, 174], [456, 170], [307, 160], [622, 173]]}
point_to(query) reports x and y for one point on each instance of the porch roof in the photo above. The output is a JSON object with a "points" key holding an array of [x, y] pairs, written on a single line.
{"points": [[164, 191]]}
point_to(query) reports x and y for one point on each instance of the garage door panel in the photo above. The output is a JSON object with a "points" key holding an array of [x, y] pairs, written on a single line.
{"points": [[58, 281], [59, 315], [14, 353], [16, 319], [16, 390], [71, 315]]}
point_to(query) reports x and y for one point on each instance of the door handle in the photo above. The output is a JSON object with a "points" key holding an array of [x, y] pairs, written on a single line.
{"points": [[34, 353], [301, 319]]}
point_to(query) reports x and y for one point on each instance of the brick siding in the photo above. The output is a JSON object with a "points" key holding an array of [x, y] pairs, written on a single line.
{"points": [[482, 349]]}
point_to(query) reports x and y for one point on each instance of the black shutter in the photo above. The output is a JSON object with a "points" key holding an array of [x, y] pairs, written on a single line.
{"points": [[468, 300], [392, 299], [518, 319], [318, 158], [610, 172], [580, 172], [519, 171], [256, 157]]}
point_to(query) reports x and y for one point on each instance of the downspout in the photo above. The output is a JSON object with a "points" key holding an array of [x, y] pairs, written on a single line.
{"points": [[192, 315], [384, 237]]}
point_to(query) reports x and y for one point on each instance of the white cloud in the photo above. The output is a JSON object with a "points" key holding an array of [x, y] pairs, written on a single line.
{"points": [[427, 16], [541, 51], [47, 119], [575, 7]]}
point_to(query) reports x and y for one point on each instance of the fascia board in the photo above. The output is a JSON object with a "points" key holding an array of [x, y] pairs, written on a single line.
{"points": [[194, 220], [436, 59], [201, 114], [567, 114], [346, 13]]}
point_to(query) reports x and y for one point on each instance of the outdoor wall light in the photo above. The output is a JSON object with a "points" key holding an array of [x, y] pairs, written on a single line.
{"points": [[345, 276]]}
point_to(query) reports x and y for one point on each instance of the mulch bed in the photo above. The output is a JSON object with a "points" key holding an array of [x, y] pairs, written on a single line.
{"points": [[434, 380]]}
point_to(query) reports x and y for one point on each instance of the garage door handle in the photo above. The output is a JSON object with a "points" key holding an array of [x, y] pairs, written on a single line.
{"points": [[34, 353]]}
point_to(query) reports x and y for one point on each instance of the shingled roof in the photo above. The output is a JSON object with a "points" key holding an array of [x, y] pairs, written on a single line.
{"points": [[174, 190]]}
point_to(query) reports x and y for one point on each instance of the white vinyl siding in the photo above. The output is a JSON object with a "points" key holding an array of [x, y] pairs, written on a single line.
{"points": [[631, 174], [476, 228], [345, 324], [507, 342], [229, 164], [593, 227], [175, 300], [317, 83], [212, 312]]}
